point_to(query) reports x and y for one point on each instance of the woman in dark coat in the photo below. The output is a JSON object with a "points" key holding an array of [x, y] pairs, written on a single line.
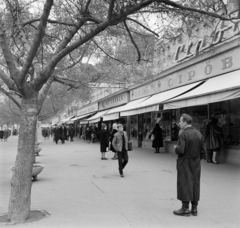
{"points": [[158, 138], [56, 133], [1, 134], [103, 138], [63, 133], [88, 134], [114, 130], [212, 138]]}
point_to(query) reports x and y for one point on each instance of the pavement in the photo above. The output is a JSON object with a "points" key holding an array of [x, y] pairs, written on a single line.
{"points": [[78, 189]]}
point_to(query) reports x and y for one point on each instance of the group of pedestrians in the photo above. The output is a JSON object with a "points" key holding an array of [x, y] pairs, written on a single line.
{"points": [[90, 134], [118, 144], [4, 134], [62, 133]]}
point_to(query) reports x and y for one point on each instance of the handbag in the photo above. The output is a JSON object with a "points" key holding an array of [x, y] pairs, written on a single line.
{"points": [[130, 147], [152, 137]]}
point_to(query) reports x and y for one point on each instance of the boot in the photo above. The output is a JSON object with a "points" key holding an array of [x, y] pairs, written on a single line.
{"points": [[194, 208], [184, 211]]}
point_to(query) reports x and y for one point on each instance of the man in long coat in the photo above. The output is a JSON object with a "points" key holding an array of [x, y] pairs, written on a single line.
{"points": [[190, 150]]}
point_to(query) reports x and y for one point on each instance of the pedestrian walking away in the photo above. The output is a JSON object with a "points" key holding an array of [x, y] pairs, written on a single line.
{"points": [[56, 134], [103, 137], [120, 144], [114, 131], [5, 134], [157, 137], [190, 151], [71, 133], [63, 133], [1, 134]]}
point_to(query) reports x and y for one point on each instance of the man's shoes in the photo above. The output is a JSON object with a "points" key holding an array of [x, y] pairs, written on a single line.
{"points": [[209, 161], [194, 210], [182, 212], [104, 159], [121, 175], [114, 158], [214, 162]]}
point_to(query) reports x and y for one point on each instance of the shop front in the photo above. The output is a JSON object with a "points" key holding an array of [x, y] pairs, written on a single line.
{"points": [[111, 105], [83, 114], [204, 85], [145, 114], [218, 96]]}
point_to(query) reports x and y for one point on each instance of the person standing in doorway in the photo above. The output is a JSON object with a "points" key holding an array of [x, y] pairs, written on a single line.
{"points": [[212, 139], [103, 137], [114, 131], [190, 151], [120, 144]]}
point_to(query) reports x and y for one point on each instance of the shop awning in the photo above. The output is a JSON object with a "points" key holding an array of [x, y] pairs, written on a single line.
{"points": [[97, 117], [112, 116], [152, 103], [220, 88], [114, 112], [85, 121]]}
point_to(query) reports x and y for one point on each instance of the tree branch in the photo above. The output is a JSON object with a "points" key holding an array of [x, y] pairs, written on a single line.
{"points": [[10, 96], [181, 7], [37, 39], [130, 19], [110, 10], [7, 53], [111, 57], [134, 44], [8, 81], [49, 21], [87, 5], [44, 91]]}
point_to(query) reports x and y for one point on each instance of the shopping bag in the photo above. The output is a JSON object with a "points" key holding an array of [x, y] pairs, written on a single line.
{"points": [[152, 137], [130, 147]]}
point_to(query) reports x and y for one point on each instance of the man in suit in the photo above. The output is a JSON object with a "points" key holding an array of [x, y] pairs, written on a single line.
{"points": [[120, 144], [190, 151]]}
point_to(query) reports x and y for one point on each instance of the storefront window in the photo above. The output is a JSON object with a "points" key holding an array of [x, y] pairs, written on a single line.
{"points": [[133, 127], [165, 124], [147, 124], [199, 115], [175, 127], [228, 115]]}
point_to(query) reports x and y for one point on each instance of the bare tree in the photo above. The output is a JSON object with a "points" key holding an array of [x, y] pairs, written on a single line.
{"points": [[38, 43]]}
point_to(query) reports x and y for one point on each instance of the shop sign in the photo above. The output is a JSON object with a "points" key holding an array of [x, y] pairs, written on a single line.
{"points": [[114, 101], [190, 49], [218, 65], [89, 109]]}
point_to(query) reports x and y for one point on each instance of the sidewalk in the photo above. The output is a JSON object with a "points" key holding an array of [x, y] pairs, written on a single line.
{"points": [[79, 189]]}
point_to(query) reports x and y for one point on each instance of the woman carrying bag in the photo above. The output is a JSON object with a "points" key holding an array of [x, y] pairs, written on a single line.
{"points": [[156, 137]]}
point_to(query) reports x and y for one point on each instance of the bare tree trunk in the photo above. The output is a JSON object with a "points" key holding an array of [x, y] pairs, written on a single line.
{"points": [[21, 183]]}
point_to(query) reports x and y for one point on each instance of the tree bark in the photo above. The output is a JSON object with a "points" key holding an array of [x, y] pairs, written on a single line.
{"points": [[21, 183]]}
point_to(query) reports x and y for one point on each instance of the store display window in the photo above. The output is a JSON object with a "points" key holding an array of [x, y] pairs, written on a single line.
{"points": [[199, 115], [228, 115], [134, 127], [147, 124]]}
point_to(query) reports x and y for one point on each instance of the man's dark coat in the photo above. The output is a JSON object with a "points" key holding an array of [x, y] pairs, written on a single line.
{"points": [[190, 150]]}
